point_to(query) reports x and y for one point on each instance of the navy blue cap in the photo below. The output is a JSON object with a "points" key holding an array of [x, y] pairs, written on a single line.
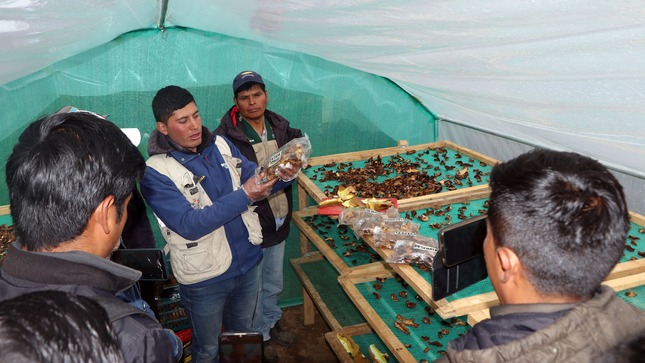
{"points": [[244, 78]]}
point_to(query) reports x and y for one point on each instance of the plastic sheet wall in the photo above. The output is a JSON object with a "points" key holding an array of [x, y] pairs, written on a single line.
{"points": [[340, 108]]}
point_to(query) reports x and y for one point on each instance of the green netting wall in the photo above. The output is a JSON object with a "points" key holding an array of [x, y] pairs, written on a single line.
{"points": [[340, 108]]}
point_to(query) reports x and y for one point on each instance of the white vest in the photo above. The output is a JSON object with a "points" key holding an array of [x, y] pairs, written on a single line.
{"points": [[209, 256]]}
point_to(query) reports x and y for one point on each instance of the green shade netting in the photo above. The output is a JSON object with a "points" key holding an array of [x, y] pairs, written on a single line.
{"points": [[340, 108]]}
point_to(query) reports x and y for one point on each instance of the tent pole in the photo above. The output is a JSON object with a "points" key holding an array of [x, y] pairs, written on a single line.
{"points": [[163, 7]]}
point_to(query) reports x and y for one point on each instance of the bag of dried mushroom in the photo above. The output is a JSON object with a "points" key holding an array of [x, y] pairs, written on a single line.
{"points": [[365, 227], [349, 215], [417, 250], [292, 155]]}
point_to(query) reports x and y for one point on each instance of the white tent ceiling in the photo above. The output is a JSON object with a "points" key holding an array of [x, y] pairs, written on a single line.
{"points": [[565, 74]]}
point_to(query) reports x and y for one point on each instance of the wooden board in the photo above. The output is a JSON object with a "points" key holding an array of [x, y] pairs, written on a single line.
{"points": [[4, 209]]}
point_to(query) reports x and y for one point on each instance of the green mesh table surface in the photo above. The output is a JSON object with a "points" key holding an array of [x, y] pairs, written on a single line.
{"points": [[635, 243], [392, 298], [329, 237], [324, 278], [638, 300], [6, 219]]}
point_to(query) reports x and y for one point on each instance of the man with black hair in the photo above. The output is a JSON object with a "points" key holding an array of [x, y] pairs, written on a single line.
{"points": [[557, 226], [259, 133], [201, 189], [56, 327], [70, 178]]}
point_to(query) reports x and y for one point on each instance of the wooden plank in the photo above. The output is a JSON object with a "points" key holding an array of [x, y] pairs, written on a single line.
{"points": [[4, 209], [302, 204], [454, 196], [366, 154], [477, 316], [637, 218], [626, 282], [626, 269], [472, 153]]}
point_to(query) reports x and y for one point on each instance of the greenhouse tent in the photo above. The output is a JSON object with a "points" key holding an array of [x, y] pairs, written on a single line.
{"points": [[499, 76]]}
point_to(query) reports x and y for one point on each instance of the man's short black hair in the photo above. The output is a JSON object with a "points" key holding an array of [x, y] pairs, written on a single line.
{"points": [[564, 215], [168, 100], [56, 327], [61, 169]]}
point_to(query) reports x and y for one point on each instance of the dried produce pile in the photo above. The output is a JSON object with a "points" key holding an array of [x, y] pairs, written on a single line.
{"points": [[632, 250], [353, 251], [402, 176], [6, 238]]}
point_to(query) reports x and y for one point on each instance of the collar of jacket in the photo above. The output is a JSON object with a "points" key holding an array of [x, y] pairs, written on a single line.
{"points": [[68, 268], [529, 308], [276, 121]]}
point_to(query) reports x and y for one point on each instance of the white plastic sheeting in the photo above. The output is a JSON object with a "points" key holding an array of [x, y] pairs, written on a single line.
{"points": [[565, 74]]}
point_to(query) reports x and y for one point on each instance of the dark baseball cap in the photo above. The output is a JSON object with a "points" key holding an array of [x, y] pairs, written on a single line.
{"points": [[244, 78]]}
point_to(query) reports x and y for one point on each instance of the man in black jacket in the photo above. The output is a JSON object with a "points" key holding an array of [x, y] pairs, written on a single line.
{"points": [[258, 133], [70, 178]]}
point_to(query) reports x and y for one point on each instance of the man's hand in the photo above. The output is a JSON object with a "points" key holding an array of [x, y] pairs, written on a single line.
{"points": [[256, 190], [287, 172]]}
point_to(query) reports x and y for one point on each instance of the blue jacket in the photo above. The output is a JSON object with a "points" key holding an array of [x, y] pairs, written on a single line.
{"points": [[172, 208]]}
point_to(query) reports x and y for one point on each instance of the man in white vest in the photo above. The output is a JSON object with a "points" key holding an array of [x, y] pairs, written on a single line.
{"points": [[201, 189]]}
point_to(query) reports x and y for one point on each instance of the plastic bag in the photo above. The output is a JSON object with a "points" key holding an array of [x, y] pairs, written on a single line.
{"points": [[350, 215], [420, 250], [365, 227], [292, 155], [385, 239]]}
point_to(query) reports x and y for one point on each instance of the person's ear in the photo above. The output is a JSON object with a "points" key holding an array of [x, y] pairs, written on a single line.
{"points": [[509, 264], [101, 214], [161, 127]]}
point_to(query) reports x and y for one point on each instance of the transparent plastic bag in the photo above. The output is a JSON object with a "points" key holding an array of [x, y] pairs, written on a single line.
{"points": [[292, 156], [419, 250], [350, 215], [365, 227], [384, 239]]}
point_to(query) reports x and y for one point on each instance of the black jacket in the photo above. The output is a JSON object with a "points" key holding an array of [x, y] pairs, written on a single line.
{"points": [[283, 134], [140, 338]]}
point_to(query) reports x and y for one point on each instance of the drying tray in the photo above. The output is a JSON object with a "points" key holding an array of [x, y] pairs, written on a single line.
{"points": [[446, 164], [372, 294]]}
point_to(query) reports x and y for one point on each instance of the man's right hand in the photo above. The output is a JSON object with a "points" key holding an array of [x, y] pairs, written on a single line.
{"points": [[256, 190]]}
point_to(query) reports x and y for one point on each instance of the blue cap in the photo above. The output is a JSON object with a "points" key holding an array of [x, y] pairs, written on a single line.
{"points": [[244, 78]]}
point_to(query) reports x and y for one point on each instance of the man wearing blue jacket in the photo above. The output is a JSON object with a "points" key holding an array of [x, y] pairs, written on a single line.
{"points": [[201, 189]]}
